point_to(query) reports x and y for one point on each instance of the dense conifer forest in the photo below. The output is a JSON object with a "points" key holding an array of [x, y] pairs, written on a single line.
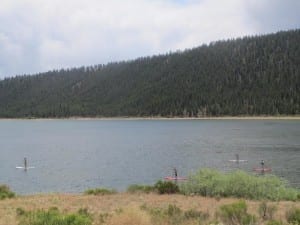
{"points": [[257, 75]]}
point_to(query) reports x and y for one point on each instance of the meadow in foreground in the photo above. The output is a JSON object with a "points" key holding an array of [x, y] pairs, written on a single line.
{"points": [[208, 197]]}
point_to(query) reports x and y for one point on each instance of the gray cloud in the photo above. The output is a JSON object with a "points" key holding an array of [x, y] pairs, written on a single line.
{"points": [[40, 35], [274, 15]]}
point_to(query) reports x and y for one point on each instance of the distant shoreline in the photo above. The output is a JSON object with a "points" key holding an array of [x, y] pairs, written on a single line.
{"points": [[167, 118]]}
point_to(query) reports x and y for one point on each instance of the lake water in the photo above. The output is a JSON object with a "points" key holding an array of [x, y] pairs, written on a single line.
{"points": [[74, 155]]}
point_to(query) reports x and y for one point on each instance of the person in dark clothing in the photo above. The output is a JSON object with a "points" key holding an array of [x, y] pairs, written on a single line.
{"points": [[237, 157], [25, 164], [262, 163], [175, 172]]}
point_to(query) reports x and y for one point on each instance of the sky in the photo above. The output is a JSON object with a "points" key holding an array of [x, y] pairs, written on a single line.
{"points": [[42, 35]]}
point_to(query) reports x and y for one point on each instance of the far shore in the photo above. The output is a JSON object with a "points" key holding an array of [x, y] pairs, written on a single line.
{"points": [[263, 117]]}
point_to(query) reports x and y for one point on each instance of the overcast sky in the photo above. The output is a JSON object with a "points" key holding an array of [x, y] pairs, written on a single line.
{"points": [[40, 35]]}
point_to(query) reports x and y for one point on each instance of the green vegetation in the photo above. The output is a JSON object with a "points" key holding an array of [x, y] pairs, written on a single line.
{"points": [[207, 182], [100, 191], [53, 217], [166, 187], [213, 183], [136, 188], [274, 222], [5, 192], [293, 216], [246, 76], [172, 214], [236, 214], [160, 187]]}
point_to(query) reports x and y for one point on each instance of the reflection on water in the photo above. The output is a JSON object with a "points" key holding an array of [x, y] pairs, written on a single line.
{"points": [[73, 155]]}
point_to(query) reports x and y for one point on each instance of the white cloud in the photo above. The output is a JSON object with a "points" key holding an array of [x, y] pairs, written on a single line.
{"points": [[39, 35]]}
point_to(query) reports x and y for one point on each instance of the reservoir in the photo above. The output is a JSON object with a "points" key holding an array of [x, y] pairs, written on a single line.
{"points": [[74, 155]]}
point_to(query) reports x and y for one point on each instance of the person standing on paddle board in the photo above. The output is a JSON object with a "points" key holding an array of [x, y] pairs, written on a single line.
{"points": [[237, 157], [25, 163], [175, 172], [262, 163]]}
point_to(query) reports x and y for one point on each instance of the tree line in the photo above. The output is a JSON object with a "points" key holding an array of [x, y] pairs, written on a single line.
{"points": [[258, 75]]}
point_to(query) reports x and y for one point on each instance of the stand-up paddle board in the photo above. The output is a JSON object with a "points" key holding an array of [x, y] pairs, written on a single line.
{"points": [[262, 170], [23, 168], [238, 160], [175, 178]]}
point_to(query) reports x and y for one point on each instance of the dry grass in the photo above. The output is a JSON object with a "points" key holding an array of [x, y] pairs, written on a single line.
{"points": [[129, 216], [123, 206]]}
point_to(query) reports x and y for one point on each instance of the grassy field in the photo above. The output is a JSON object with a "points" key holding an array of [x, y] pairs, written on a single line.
{"points": [[121, 207], [207, 197]]}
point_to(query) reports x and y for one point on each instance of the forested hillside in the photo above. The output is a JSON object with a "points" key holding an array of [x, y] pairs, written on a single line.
{"points": [[248, 76]]}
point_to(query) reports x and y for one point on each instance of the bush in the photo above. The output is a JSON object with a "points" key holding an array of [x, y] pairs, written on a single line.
{"points": [[236, 214], [238, 184], [53, 217], [293, 216], [5, 192], [166, 187], [100, 191], [135, 188], [20, 211], [161, 187]]}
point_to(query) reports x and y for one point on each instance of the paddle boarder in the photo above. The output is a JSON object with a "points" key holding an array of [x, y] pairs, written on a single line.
{"points": [[25, 164], [237, 157], [175, 173], [262, 163]]}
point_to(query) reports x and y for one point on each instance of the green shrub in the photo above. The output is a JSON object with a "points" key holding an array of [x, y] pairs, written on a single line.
{"points": [[135, 188], [207, 182], [5, 192], [161, 187], [166, 187], [100, 191], [236, 214], [20, 211], [83, 211], [53, 217], [293, 216]]}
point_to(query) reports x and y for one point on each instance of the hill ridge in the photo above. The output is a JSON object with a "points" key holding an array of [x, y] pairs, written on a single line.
{"points": [[250, 76]]}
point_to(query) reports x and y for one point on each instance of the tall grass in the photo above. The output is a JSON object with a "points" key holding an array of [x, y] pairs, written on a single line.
{"points": [[136, 188], [53, 217], [5, 192], [293, 216], [236, 214], [130, 216], [100, 191], [160, 187], [208, 182], [173, 215]]}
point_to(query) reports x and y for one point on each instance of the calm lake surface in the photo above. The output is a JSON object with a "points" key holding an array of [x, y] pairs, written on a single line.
{"points": [[74, 155]]}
